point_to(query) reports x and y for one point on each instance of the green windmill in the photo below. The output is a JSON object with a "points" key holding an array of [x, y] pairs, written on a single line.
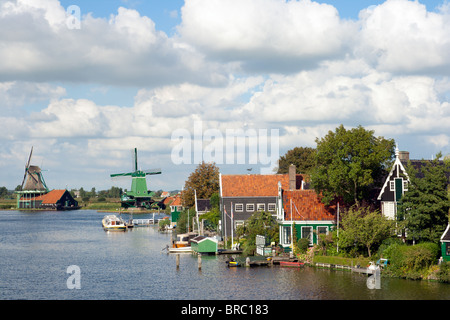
{"points": [[138, 196]]}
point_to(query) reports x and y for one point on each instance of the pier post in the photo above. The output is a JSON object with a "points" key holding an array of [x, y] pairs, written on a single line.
{"points": [[199, 260], [178, 261]]}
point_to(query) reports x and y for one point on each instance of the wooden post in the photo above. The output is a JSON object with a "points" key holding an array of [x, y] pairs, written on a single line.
{"points": [[199, 259], [178, 261]]}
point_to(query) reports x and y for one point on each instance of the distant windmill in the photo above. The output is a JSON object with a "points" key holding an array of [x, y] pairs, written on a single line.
{"points": [[139, 196], [33, 178]]}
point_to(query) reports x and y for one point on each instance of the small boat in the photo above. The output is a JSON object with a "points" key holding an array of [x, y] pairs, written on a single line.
{"points": [[180, 250], [233, 264], [183, 240], [291, 264], [113, 223]]}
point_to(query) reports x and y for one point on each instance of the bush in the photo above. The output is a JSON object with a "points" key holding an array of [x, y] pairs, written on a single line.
{"points": [[443, 274], [303, 245], [411, 261]]}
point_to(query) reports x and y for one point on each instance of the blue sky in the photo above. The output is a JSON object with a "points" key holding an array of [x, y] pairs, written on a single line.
{"points": [[137, 72]]}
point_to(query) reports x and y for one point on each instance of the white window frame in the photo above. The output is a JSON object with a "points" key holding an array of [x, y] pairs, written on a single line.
{"points": [[273, 205], [241, 206], [248, 208], [310, 234], [259, 205], [392, 185], [405, 185], [287, 235]]}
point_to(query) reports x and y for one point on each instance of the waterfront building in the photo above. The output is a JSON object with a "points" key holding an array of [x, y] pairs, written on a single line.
{"points": [[286, 196]]}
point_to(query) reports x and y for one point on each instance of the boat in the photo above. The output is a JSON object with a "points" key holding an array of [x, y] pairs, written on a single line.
{"points": [[233, 264], [291, 264], [113, 223], [183, 240], [180, 250]]}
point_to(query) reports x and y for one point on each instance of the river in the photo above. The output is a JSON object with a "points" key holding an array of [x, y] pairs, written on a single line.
{"points": [[40, 249]]}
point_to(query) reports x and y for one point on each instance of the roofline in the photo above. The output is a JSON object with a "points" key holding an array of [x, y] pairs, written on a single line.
{"points": [[445, 232]]}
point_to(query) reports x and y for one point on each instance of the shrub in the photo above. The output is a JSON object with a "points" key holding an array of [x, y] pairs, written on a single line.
{"points": [[303, 245], [411, 261]]}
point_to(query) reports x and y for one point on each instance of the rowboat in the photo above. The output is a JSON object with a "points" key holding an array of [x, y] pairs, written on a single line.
{"points": [[291, 264], [233, 264], [113, 223]]}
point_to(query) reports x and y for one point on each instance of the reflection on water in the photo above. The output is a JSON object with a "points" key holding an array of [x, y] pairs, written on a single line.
{"points": [[38, 247]]}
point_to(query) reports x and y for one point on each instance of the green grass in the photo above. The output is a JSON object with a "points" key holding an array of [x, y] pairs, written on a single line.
{"points": [[361, 261]]}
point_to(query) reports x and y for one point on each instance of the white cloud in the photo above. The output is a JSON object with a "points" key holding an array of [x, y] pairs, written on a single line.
{"points": [[402, 36], [37, 45], [270, 35]]}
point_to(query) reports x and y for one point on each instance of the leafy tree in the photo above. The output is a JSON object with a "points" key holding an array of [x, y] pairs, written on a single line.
{"points": [[3, 192], [301, 157], [364, 228], [204, 180], [260, 223], [349, 163], [425, 206]]}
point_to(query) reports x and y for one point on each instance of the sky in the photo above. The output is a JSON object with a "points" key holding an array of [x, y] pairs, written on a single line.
{"points": [[85, 82]]}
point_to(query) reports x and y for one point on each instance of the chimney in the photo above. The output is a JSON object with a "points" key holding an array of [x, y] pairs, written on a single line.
{"points": [[403, 156], [292, 177]]}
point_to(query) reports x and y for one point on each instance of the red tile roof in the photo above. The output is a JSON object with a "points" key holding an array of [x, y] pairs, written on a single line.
{"points": [[255, 185], [306, 205], [50, 197]]}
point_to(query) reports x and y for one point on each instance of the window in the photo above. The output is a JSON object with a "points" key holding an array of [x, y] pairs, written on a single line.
{"points": [[238, 223], [392, 185], [405, 185], [286, 235], [271, 206], [261, 207], [322, 230], [250, 207], [307, 233], [239, 207]]}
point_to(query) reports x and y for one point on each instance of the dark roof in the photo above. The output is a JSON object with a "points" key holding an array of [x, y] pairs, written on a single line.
{"points": [[418, 164], [203, 205], [446, 236]]}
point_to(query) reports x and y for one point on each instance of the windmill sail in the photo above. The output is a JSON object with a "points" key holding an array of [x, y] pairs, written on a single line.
{"points": [[33, 178]]}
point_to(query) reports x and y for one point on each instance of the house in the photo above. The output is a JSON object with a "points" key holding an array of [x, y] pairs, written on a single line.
{"points": [[395, 185], [445, 244], [303, 210], [243, 195], [53, 200], [176, 207]]}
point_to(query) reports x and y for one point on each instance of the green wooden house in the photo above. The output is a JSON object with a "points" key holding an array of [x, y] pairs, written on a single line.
{"points": [[301, 212], [445, 244], [204, 245]]}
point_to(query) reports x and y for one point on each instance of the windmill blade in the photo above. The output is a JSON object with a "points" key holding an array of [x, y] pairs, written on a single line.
{"points": [[114, 175], [152, 171], [27, 166]]}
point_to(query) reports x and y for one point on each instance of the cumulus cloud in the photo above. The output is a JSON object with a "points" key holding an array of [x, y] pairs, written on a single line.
{"points": [[267, 35], [402, 36], [36, 44], [295, 66]]}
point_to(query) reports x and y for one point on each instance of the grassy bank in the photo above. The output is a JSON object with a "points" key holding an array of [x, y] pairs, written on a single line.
{"points": [[351, 262]]}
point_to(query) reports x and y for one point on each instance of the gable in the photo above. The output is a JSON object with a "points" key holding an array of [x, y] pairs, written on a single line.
{"points": [[397, 171]]}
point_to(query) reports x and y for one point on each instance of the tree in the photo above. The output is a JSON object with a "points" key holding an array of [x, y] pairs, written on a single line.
{"points": [[365, 228], [349, 163], [260, 223], [204, 180], [425, 206], [301, 157]]}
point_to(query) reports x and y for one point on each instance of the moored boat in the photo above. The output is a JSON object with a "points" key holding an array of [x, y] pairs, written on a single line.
{"points": [[291, 264], [113, 223]]}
